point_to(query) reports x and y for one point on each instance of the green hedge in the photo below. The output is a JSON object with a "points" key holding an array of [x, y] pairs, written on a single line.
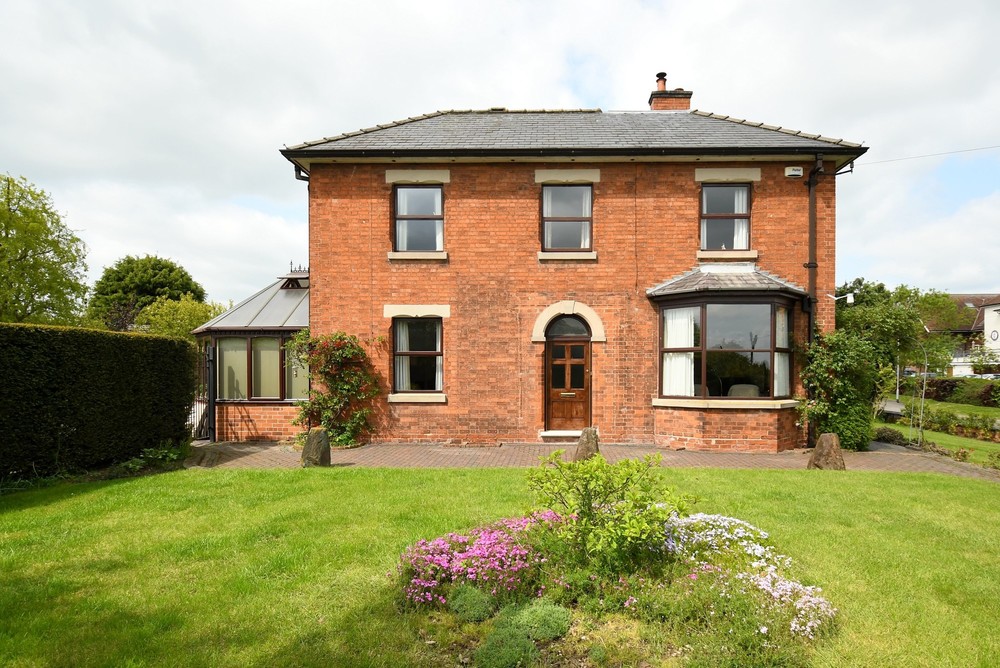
{"points": [[961, 390], [78, 399], [981, 427]]}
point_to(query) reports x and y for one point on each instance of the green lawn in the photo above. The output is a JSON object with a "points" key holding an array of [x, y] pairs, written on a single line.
{"points": [[289, 567], [979, 450], [959, 409]]}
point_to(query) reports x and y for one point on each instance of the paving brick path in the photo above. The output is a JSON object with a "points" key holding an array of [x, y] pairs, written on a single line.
{"points": [[882, 457]]}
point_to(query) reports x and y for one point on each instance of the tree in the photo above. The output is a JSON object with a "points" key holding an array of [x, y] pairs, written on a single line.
{"points": [[41, 260], [133, 283], [904, 325], [176, 317]]}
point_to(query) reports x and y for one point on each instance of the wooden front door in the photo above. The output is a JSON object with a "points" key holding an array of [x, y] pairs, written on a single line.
{"points": [[567, 383]]}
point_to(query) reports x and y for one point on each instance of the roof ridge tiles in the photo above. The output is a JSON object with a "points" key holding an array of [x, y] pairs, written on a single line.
{"points": [[368, 130], [776, 128]]}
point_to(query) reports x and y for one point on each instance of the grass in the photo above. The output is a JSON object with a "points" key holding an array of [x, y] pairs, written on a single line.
{"points": [[261, 568], [979, 450], [959, 409]]}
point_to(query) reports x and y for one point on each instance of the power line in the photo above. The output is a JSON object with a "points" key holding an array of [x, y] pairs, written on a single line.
{"points": [[931, 155]]}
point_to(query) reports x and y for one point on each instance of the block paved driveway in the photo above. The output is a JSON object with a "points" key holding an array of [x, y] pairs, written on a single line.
{"points": [[882, 457]]}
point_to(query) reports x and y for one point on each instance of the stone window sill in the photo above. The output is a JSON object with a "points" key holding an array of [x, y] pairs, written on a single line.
{"points": [[729, 404], [414, 398], [417, 255], [723, 255], [546, 256]]}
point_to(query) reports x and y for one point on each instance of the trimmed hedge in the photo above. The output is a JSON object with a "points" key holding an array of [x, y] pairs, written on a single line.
{"points": [[971, 391], [78, 399]]}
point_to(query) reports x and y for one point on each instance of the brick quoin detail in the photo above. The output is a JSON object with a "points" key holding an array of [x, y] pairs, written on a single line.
{"points": [[645, 231]]}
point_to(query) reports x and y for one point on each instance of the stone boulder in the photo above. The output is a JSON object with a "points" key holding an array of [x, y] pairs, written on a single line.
{"points": [[827, 454], [317, 449], [587, 446]]}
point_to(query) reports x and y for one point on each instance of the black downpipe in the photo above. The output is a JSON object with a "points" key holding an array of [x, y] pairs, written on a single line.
{"points": [[812, 264]]}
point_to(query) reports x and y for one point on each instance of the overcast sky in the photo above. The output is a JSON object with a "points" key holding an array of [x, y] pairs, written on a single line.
{"points": [[155, 126]]}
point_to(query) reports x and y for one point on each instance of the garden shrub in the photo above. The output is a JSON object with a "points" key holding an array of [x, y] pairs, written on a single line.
{"points": [[941, 389], [961, 455], [613, 514], [78, 399], [843, 387], [968, 391], [891, 436], [506, 647], [470, 604], [993, 460], [990, 395], [541, 620]]}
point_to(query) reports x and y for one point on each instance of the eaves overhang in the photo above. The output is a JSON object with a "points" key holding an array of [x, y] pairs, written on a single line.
{"points": [[840, 156]]}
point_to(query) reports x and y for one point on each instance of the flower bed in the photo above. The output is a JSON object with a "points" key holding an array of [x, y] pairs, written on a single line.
{"points": [[715, 585]]}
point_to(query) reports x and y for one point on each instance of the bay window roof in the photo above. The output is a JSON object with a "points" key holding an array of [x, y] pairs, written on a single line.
{"points": [[728, 277]]}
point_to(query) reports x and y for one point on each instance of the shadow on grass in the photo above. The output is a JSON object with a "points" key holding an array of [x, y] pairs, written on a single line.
{"points": [[54, 492], [372, 633]]}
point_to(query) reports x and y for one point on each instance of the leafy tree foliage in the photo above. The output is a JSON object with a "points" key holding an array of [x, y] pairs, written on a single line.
{"points": [[901, 324], [133, 283], [42, 262], [177, 317]]}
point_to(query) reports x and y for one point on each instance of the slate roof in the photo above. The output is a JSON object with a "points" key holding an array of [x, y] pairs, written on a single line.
{"points": [[724, 277], [273, 308], [584, 132]]}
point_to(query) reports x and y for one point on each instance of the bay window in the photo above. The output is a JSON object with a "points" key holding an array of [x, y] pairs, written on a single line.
{"points": [[726, 349]]}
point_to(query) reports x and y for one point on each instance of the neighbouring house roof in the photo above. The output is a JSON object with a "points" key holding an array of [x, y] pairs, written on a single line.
{"points": [[279, 306], [723, 277], [584, 132], [975, 305]]}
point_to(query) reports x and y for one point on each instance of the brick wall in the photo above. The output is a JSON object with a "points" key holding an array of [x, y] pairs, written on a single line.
{"points": [[255, 422], [727, 430], [646, 230]]}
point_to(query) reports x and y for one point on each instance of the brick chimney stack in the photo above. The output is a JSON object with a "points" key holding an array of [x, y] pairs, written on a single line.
{"points": [[662, 99]]}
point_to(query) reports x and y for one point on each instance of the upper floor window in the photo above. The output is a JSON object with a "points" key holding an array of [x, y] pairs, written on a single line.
{"points": [[740, 350], [566, 217], [419, 218], [725, 217], [418, 364]]}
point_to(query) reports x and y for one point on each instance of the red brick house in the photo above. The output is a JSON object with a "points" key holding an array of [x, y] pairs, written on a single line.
{"points": [[536, 272]]}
